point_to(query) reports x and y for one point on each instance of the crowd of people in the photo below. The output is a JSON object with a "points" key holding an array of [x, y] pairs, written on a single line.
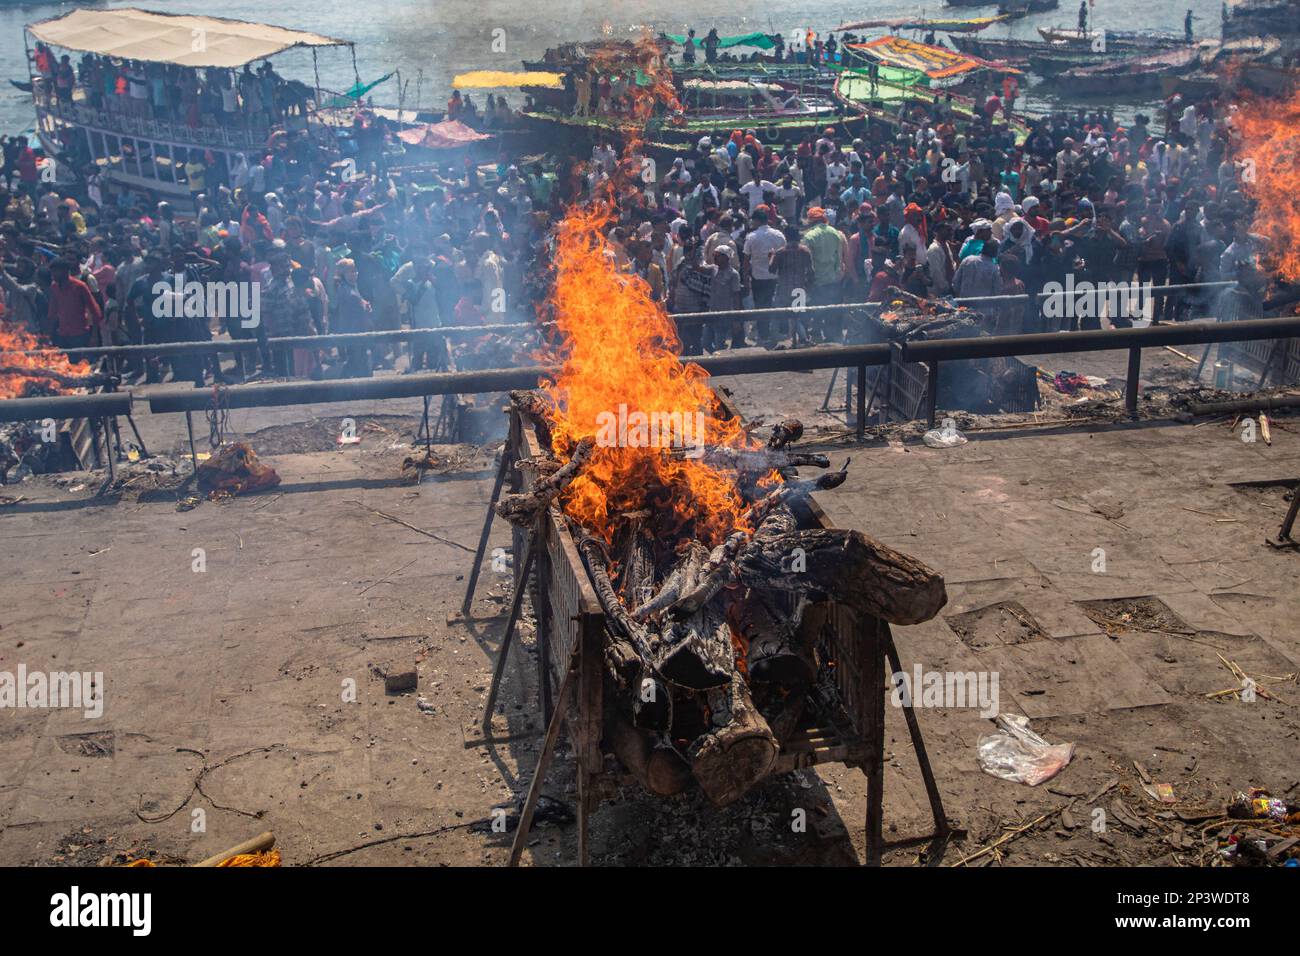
{"points": [[338, 254], [940, 204], [169, 93]]}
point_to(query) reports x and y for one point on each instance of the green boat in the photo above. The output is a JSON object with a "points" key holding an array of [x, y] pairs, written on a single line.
{"points": [[855, 90], [687, 129]]}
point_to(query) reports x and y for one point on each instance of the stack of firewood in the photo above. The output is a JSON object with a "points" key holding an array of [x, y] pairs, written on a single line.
{"points": [[712, 652]]}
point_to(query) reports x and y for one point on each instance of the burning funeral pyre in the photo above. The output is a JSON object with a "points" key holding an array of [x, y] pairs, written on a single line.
{"points": [[714, 578], [29, 368]]}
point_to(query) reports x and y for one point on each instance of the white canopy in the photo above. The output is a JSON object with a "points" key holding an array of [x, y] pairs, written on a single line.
{"points": [[132, 34]]}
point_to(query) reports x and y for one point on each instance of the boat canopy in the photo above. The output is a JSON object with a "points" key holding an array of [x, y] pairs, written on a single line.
{"points": [[762, 41], [503, 79], [152, 37], [936, 62]]}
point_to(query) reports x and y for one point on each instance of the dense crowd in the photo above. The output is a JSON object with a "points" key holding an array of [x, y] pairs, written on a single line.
{"points": [[941, 207], [941, 204]]}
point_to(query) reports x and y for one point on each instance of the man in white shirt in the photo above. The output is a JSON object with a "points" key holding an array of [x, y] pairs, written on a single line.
{"points": [[755, 189], [759, 246]]}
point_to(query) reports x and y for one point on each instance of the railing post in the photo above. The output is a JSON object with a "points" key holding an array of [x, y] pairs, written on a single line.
{"points": [[1131, 385], [862, 400], [932, 392]]}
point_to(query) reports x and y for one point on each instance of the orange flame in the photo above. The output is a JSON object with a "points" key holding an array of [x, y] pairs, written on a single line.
{"points": [[1270, 141], [15, 381], [618, 347]]}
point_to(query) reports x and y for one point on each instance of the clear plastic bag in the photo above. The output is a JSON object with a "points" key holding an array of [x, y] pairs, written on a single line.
{"points": [[945, 436], [1017, 753]]}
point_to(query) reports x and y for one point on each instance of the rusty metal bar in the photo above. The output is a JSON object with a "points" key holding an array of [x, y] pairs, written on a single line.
{"points": [[96, 405], [1131, 380]]}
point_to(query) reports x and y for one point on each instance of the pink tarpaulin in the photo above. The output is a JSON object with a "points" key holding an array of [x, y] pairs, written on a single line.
{"points": [[445, 135]]}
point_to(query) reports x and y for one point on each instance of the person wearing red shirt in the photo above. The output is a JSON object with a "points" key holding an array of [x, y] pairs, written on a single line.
{"points": [[28, 174], [73, 310]]}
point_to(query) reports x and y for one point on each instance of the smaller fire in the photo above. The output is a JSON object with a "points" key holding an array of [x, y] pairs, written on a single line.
{"points": [[46, 372], [1270, 131]]}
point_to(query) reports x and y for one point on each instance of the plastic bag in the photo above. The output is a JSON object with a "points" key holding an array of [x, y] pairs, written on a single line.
{"points": [[1017, 753], [945, 436]]}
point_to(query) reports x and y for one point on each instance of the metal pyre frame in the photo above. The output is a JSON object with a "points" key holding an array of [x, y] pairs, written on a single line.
{"points": [[570, 635]]}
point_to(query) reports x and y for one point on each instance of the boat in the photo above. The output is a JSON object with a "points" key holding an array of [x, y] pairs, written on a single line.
{"points": [[806, 76], [1112, 39], [146, 153], [969, 25], [1196, 85], [779, 110], [990, 48], [1137, 74], [969, 3], [1245, 19], [1015, 9], [881, 100], [942, 67], [1055, 62]]}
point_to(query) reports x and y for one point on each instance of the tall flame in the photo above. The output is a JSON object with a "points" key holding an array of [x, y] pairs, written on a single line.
{"points": [[1270, 132], [618, 347]]}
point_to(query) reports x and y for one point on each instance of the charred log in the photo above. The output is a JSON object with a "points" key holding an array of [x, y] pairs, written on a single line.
{"points": [[849, 567], [524, 508], [738, 751], [657, 766], [777, 653]]}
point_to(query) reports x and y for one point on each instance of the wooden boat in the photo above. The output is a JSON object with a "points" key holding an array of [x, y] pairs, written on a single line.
{"points": [[1129, 75], [1114, 39], [1196, 85], [969, 25], [1257, 18], [990, 48], [1058, 61], [804, 76], [1269, 79], [770, 128], [855, 91], [147, 154], [779, 111], [1015, 9]]}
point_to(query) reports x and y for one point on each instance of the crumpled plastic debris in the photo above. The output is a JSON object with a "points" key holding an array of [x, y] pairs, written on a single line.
{"points": [[945, 436], [1017, 753]]}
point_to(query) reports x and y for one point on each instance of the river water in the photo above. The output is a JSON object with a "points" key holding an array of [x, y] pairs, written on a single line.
{"points": [[431, 42]]}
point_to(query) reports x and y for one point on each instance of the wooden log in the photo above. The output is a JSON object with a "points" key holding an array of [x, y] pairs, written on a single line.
{"points": [[659, 768], [628, 647], [534, 406], [696, 652], [849, 567], [525, 508], [738, 751], [776, 653]]}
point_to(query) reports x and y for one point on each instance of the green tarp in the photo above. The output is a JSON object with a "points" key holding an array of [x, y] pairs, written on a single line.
{"points": [[358, 90], [760, 40]]}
